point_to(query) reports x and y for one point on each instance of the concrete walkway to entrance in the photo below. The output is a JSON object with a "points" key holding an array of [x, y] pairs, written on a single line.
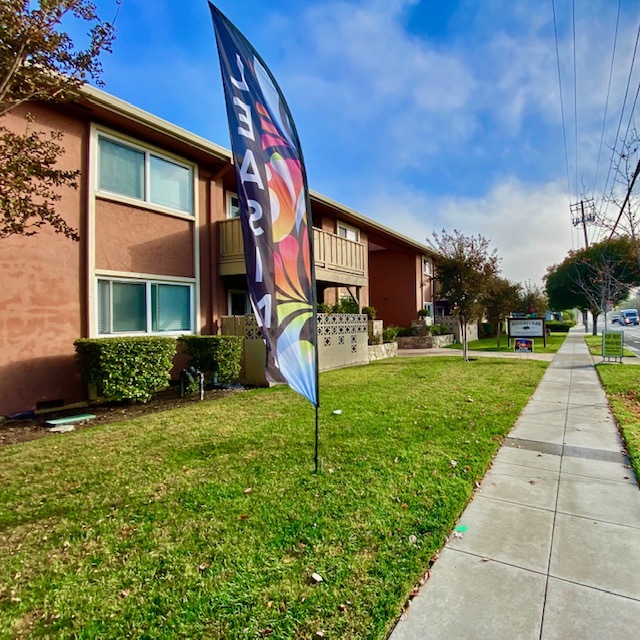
{"points": [[550, 546]]}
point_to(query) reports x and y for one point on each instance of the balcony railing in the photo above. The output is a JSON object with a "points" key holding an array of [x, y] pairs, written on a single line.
{"points": [[337, 259]]}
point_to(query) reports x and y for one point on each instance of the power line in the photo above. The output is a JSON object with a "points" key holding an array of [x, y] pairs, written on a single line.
{"points": [[606, 105], [624, 102], [575, 90], [564, 129]]}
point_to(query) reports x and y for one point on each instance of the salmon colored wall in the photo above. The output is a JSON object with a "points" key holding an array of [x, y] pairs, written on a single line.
{"points": [[42, 288], [142, 241], [392, 278]]}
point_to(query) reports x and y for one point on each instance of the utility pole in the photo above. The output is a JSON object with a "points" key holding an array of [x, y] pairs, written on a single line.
{"points": [[578, 217], [581, 217]]}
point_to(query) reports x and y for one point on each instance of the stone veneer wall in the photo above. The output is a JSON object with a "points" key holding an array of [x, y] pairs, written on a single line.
{"points": [[424, 342], [382, 351]]}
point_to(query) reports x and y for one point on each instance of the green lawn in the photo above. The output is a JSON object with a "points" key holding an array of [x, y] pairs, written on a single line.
{"points": [[622, 384], [207, 521], [554, 342]]}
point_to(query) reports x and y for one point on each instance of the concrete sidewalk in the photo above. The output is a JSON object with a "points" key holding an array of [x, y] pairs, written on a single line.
{"points": [[551, 542]]}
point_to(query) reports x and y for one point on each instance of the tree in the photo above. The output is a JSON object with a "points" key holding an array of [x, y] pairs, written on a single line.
{"points": [[588, 279], [464, 267], [500, 299], [533, 299], [39, 62]]}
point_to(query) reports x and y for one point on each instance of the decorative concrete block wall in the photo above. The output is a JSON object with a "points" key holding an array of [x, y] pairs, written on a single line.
{"points": [[342, 342]]}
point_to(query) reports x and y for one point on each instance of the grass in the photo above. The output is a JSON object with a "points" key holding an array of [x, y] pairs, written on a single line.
{"points": [[207, 521], [622, 385], [554, 342], [595, 346]]}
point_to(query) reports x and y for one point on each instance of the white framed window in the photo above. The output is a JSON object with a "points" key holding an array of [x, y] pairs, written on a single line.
{"points": [[233, 205], [138, 173], [350, 233], [427, 267], [128, 306]]}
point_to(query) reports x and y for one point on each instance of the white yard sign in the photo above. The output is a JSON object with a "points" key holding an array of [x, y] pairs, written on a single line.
{"points": [[526, 328]]}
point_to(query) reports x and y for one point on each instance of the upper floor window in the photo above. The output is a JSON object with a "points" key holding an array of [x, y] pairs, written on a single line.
{"points": [[427, 267], [141, 174], [233, 206], [350, 233], [139, 306]]}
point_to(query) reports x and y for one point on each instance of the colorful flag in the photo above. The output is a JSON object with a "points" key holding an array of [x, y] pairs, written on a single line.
{"points": [[274, 211]]}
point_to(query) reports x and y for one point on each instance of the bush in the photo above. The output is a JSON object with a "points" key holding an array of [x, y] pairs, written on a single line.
{"points": [[323, 307], [390, 333], [424, 313], [406, 333], [486, 330], [439, 329], [370, 312], [346, 305], [220, 357], [128, 368], [559, 327]]}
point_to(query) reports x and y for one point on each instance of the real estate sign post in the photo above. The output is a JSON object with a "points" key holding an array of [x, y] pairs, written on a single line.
{"points": [[612, 344]]}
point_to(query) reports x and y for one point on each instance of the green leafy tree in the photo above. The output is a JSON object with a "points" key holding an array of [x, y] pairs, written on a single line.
{"points": [[39, 62], [589, 279], [533, 300], [501, 298], [464, 268]]}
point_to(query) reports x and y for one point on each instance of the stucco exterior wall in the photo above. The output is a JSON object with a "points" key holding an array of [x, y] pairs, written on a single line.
{"points": [[392, 277], [139, 240], [42, 283]]}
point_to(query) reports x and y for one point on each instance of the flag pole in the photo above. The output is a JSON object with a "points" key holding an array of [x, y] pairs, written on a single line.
{"points": [[316, 456]]}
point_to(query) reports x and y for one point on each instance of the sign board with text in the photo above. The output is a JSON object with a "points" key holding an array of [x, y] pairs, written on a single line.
{"points": [[612, 344], [526, 327]]}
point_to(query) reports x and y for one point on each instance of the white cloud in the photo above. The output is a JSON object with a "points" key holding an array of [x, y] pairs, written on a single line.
{"points": [[527, 224]]}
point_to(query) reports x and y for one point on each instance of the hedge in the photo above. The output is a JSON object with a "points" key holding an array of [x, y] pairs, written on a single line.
{"points": [[559, 327], [220, 357], [128, 368]]}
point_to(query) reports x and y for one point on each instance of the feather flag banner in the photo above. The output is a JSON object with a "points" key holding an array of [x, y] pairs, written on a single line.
{"points": [[274, 211]]}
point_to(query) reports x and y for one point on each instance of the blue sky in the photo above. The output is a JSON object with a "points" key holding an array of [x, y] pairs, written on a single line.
{"points": [[422, 115]]}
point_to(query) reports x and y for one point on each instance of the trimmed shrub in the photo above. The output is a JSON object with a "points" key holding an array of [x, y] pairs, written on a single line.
{"points": [[323, 307], [559, 327], [127, 368], [220, 357]]}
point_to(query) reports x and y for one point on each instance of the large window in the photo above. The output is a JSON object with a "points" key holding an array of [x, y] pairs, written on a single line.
{"points": [[134, 172], [133, 306]]}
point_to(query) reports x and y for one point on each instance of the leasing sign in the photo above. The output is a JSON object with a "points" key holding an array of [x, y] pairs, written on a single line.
{"points": [[526, 327], [612, 344]]}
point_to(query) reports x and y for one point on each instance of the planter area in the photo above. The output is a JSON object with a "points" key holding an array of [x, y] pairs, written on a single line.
{"points": [[425, 342]]}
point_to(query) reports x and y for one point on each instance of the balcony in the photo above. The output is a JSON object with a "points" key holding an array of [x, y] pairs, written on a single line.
{"points": [[337, 260]]}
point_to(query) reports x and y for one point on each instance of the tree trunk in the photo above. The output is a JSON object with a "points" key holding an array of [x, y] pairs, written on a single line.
{"points": [[595, 322], [499, 331], [463, 335]]}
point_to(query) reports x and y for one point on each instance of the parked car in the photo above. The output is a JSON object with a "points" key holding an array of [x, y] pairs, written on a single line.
{"points": [[615, 319], [629, 316]]}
